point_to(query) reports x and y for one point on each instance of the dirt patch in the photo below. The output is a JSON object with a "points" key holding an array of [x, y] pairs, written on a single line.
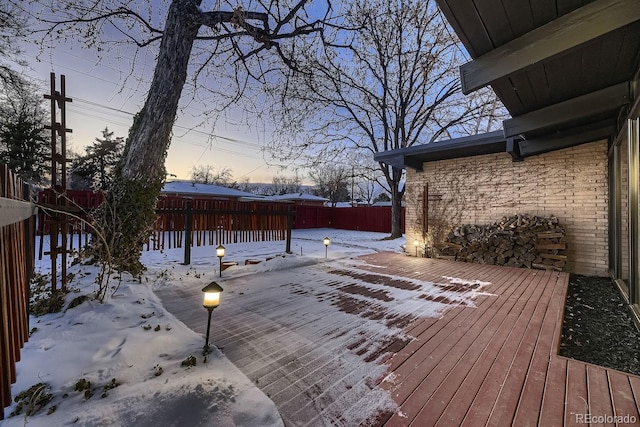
{"points": [[598, 327]]}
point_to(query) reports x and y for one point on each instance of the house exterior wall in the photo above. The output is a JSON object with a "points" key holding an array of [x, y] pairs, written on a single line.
{"points": [[571, 184]]}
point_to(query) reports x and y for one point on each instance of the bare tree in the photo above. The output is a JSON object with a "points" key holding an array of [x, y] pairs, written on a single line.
{"points": [[332, 182], [385, 77], [13, 27], [282, 184], [252, 43], [367, 188], [207, 174]]}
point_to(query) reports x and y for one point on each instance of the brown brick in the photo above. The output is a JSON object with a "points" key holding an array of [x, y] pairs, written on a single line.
{"points": [[571, 184]]}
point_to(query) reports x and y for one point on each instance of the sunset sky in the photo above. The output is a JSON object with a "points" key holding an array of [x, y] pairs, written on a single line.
{"points": [[103, 96]]}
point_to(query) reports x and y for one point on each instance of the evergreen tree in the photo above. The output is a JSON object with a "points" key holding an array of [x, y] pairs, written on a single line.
{"points": [[24, 143], [96, 169]]}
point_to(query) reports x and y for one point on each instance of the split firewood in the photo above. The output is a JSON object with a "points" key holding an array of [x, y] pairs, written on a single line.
{"points": [[518, 241]]}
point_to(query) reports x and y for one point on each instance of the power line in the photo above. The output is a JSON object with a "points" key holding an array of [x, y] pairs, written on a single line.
{"points": [[206, 146], [188, 129], [211, 136], [107, 107], [118, 110]]}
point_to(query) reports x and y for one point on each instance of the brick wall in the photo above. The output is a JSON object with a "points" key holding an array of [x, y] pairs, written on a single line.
{"points": [[571, 184]]}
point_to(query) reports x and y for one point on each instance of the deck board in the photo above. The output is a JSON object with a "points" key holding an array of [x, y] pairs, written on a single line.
{"points": [[553, 403], [489, 391], [505, 407], [500, 316], [622, 396], [576, 397], [598, 391], [493, 362], [499, 366], [529, 406]]}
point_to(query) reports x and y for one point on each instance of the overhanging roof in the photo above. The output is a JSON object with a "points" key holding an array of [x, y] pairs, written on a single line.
{"points": [[414, 157], [557, 65], [564, 69]]}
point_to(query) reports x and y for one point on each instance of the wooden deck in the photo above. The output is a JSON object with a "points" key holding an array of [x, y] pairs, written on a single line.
{"points": [[494, 363], [497, 364]]}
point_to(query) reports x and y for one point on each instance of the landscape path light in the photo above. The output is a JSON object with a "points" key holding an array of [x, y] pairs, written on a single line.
{"points": [[211, 301], [416, 243], [326, 242], [220, 255]]}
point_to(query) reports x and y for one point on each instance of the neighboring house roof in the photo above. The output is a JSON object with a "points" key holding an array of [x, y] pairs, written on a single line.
{"points": [[340, 205], [197, 189], [294, 197], [564, 70]]}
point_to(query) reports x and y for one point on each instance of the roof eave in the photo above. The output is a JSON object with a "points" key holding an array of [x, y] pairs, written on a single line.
{"points": [[414, 157]]}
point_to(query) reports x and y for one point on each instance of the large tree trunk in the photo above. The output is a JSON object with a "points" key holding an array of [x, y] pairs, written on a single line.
{"points": [[128, 214]]}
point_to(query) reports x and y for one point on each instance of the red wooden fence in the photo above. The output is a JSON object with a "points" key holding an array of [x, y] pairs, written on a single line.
{"points": [[15, 256], [361, 218], [226, 221], [213, 221]]}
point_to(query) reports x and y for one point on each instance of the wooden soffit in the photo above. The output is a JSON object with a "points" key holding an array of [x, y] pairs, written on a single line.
{"points": [[554, 38]]}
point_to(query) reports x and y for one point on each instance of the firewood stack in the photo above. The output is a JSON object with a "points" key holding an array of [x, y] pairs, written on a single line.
{"points": [[518, 241]]}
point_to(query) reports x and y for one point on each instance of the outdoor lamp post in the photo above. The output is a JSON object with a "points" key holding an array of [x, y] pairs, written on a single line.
{"points": [[326, 242], [211, 301], [220, 255], [416, 243]]}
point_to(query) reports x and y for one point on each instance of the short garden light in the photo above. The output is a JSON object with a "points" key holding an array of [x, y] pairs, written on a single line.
{"points": [[211, 301], [416, 243], [220, 255], [326, 242]]}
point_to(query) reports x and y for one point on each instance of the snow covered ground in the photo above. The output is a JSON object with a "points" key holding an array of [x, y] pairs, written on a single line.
{"points": [[129, 361], [121, 362]]}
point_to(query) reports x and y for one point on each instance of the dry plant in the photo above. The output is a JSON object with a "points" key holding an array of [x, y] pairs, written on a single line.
{"points": [[105, 260], [463, 191]]}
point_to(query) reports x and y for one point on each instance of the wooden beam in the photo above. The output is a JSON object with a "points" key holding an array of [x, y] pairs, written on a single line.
{"points": [[589, 105], [568, 138], [513, 148], [391, 158], [560, 35], [415, 164]]}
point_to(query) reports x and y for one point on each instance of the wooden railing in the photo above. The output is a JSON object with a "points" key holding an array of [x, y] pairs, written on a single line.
{"points": [[16, 266], [200, 221]]}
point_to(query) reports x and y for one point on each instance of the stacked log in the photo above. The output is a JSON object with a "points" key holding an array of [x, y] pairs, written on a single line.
{"points": [[516, 241]]}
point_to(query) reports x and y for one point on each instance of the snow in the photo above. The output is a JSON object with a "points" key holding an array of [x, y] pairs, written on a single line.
{"points": [[134, 339], [298, 196], [194, 188]]}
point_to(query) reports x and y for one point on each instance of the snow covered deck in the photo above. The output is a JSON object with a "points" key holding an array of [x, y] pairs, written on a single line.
{"points": [[397, 340]]}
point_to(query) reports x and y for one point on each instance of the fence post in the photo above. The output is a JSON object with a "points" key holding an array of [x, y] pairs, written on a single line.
{"points": [[188, 213], [290, 214], [29, 251]]}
